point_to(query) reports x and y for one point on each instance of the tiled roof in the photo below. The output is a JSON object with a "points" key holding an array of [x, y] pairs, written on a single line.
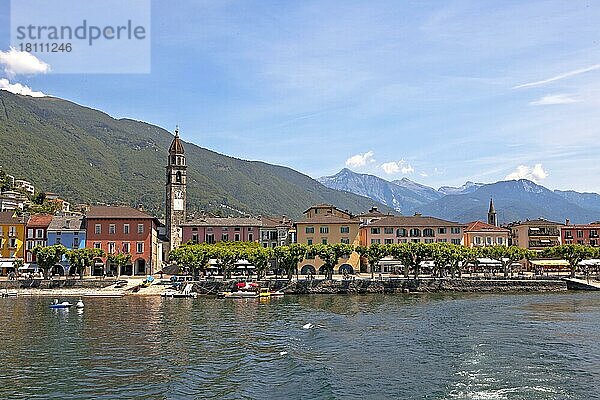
{"points": [[413, 221], [8, 217], [116, 212], [39, 221], [176, 145], [328, 219], [535, 222], [479, 226], [274, 222], [66, 223], [216, 221]]}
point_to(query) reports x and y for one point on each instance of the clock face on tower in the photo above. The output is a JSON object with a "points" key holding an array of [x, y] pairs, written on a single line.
{"points": [[179, 194]]}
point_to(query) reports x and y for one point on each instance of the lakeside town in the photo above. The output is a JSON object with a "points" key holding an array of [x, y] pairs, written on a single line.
{"points": [[98, 241]]}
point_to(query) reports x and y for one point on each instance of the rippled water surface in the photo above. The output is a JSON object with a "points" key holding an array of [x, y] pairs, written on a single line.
{"points": [[542, 346]]}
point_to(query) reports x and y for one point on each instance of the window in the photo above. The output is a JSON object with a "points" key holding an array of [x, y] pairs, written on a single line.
{"points": [[112, 229], [429, 240], [12, 243], [580, 234], [210, 238], [140, 228], [389, 241], [75, 242], [388, 231], [126, 229], [401, 232], [111, 247], [373, 241], [195, 238], [324, 229], [442, 231], [140, 247], [29, 233], [415, 240], [345, 229], [455, 230], [414, 232], [324, 240], [236, 237], [499, 240], [251, 229], [569, 234], [225, 229], [126, 247], [310, 229], [456, 241], [309, 241], [442, 240], [57, 240], [428, 232], [488, 241], [39, 233], [250, 237], [375, 231], [477, 239], [209, 229], [29, 257], [345, 241], [401, 240], [12, 231], [224, 237], [236, 229], [97, 245], [98, 229]]}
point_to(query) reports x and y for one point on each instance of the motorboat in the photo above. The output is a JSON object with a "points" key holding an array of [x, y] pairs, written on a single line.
{"points": [[64, 304], [266, 293], [80, 304], [8, 294], [185, 293], [238, 295]]}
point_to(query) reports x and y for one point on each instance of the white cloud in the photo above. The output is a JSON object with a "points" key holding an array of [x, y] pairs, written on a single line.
{"points": [[536, 173], [553, 99], [17, 62], [360, 160], [17, 88], [393, 167], [559, 77]]}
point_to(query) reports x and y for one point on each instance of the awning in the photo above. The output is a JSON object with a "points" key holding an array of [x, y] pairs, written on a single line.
{"points": [[550, 263], [591, 262], [6, 264]]}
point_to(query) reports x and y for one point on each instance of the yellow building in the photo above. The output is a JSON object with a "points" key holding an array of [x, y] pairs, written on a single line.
{"points": [[12, 237], [326, 224]]}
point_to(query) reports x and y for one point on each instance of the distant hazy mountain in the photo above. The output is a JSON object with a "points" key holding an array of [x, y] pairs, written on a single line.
{"points": [[586, 200], [514, 200], [404, 197], [468, 187], [426, 192]]}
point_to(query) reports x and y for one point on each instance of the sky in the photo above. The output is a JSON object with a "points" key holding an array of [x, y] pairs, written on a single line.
{"points": [[440, 92]]}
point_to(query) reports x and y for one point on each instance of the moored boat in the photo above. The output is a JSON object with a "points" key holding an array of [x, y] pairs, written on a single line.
{"points": [[64, 304]]}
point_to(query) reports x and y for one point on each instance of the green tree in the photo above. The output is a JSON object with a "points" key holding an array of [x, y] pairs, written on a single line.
{"points": [[330, 254], [120, 260], [374, 254], [227, 254], [259, 257], [507, 256], [18, 263], [442, 255], [288, 257], [411, 255], [573, 254], [193, 256], [48, 257], [82, 259]]}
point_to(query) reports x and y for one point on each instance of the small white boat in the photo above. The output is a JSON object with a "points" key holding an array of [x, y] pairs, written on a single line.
{"points": [[238, 295], [174, 294], [8, 294], [64, 304], [80, 304]]}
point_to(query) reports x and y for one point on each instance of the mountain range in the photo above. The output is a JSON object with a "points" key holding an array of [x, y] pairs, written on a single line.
{"points": [[514, 200], [87, 156]]}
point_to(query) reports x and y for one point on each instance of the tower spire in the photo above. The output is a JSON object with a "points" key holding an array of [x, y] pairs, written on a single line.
{"points": [[176, 130], [492, 217]]}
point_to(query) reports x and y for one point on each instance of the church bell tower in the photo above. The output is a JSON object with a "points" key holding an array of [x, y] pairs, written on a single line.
{"points": [[492, 217], [176, 191]]}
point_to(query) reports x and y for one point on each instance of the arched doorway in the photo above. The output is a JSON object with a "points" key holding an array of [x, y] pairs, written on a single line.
{"points": [[140, 266], [308, 269], [127, 269], [346, 268], [98, 267], [322, 270]]}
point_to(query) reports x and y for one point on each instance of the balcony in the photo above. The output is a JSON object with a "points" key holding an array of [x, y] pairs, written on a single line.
{"points": [[534, 244], [543, 232]]}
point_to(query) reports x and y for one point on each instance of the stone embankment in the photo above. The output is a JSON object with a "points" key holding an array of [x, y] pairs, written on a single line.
{"points": [[365, 286]]}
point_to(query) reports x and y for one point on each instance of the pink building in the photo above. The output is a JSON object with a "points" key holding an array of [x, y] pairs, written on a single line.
{"points": [[212, 230]]}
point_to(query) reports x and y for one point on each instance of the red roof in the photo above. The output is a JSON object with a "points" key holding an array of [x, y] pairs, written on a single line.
{"points": [[116, 212], [479, 226], [39, 221]]}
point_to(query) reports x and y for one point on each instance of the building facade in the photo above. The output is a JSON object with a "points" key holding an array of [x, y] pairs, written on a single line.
{"points": [[406, 229], [480, 234], [581, 234], [36, 235], [537, 234], [216, 229], [176, 192], [326, 224], [12, 240], [123, 230], [68, 230], [276, 231]]}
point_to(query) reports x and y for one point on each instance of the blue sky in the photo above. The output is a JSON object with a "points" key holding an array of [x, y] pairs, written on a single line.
{"points": [[440, 92]]}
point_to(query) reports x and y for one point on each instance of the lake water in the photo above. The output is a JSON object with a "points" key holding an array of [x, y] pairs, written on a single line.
{"points": [[522, 346]]}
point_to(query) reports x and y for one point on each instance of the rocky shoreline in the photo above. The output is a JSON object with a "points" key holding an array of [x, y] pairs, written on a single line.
{"points": [[76, 287]]}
